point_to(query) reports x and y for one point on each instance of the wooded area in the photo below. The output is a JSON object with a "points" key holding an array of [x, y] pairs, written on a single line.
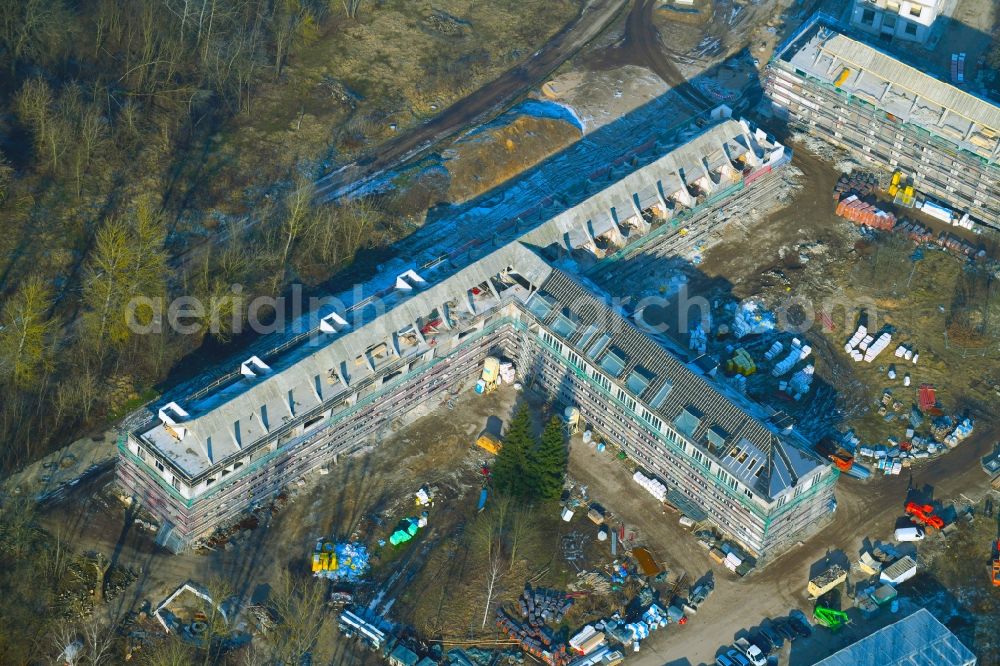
{"points": [[110, 111]]}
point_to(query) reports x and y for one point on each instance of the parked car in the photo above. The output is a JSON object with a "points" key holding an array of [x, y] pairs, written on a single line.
{"points": [[723, 660], [701, 592], [784, 628], [762, 641], [751, 652], [738, 658], [800, 625], [909, 534], [768, 632]]}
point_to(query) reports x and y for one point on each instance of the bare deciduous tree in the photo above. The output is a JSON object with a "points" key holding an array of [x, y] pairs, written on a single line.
{"points": [[490, 537], [351, 7], [301, 610]]}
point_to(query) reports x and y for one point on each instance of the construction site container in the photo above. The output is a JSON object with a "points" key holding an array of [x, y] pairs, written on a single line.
{"points": [[826, 581], [901, 570], [491, 369], [647, 565], [489, 443], [884, 594]]}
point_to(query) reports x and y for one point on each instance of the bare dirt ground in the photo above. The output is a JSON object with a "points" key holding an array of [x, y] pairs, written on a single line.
{"points": [[490, 99]]}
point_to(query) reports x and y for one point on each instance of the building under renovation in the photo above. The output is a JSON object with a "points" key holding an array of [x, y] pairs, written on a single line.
{"points": [[201, 459], [891, 114]]}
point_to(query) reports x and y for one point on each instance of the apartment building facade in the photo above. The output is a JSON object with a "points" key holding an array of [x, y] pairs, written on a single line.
{"points": [[200, 460], [909, 20], [891, 115]]}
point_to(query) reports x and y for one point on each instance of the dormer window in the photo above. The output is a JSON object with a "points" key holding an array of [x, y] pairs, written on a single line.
{"points": [[540, 305], [687, 421], [661, 395], [333, 323], [409, 281], [565, 325], [638, 380], [613, 362], [254, 367]]}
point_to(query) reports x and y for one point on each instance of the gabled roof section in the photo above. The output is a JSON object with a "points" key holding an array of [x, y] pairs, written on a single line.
{"points": [[684, 398], [265, 395]]}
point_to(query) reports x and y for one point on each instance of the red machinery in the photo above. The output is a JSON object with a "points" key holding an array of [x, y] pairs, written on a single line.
{"points": [[924, 515], [995, 576], [842, 459]]}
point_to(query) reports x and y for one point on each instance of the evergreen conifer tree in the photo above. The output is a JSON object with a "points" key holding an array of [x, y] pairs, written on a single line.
{"points": [[510, 471], [547, 462]]}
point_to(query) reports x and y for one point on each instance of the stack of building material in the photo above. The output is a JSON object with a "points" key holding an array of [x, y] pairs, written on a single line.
{"points": [[961, 431], [787, 363], [916, 232], [889, 466], [652, 485], [752, 317], [927, 397], [865, 214], [699, 339], [340, 561], [732, 561], [856, 339], [877, 347], [800, 382], [860, 183], [507, 373], [773, 350], [964, 222], [741, 363], [957, 246], [540, 606], [652, 619], [937, 211], [587, 640], [537, 641]]}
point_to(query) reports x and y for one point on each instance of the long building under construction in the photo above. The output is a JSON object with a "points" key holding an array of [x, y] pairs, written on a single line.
{"points": [[890, 114], [201, 459]]}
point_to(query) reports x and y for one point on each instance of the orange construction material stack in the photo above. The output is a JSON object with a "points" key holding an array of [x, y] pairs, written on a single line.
{"points": [[865, 214]]}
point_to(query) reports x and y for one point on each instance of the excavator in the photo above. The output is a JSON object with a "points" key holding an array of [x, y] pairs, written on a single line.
{"points": [[923, 514], [830, 618]]}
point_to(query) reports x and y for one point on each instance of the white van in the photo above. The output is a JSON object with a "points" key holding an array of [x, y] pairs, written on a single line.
{"points": [[909, 534]]}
